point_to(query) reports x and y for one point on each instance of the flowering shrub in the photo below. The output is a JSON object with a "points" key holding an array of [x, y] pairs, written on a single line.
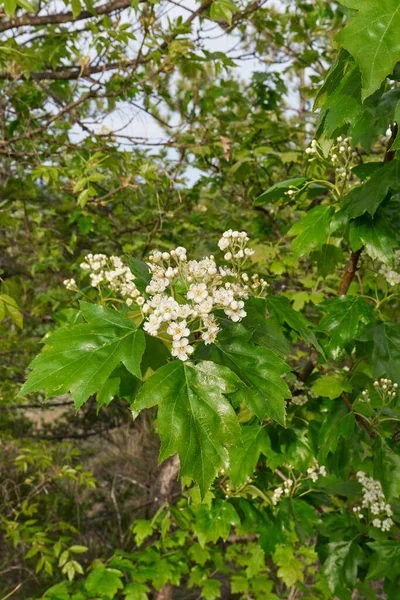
{"points": [[181, 295], [277, 403]]}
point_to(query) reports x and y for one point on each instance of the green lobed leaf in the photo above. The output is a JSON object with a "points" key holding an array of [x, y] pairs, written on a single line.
{"points": [[372, 37], [327, 258], [369, 196], [266, 329], [215, 522], [107, 392], [211, 589], [341, 566], [136, 591], [376, 235], [280, 308], [345, 317], [331, 387], [194, 417], [343, 106], [312, 231], [243, 459], [104, 583], [338, 423], [385, 561], [385, 355], [81, 358], [260, 370]]}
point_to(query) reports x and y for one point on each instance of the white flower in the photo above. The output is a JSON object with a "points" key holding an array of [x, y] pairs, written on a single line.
{"points": [[376, 523], [152, 325], [223, 243], [197, 292], [178, 330], [209, 337], [181, 349], [276, 496]]}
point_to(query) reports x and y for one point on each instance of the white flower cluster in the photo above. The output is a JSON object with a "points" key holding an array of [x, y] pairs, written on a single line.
{"points": [[316, 471], [70, 284], [342, 157], [312, 148], [112, 272], [290, 485], [202, 287], [301, 399], [391, 275], [182, 294], [235, 242], [374, 501], [386, 389], [282, 491]]}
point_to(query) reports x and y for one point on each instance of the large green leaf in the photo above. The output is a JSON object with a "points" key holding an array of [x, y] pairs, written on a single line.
{"points": [[243, 459], [312, 231], [369, 196], [385, 561], [194, 417], [344, 319], [341, 566], [385, 356], [376, 235], [373, 38], [343, 105], [261, 371], [80, 359]]}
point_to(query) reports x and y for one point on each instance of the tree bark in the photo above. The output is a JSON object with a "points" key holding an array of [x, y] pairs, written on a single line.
{"points": [[162, 490]]}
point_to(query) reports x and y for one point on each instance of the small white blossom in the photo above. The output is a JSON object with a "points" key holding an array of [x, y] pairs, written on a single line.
{"points": [[70, 284]]}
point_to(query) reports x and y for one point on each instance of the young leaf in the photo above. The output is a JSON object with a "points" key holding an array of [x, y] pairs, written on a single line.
{"points": [[372, 37], [80, 359], [312, 231], [136, 591], [215, 522], [104, 583], [194, 417]]}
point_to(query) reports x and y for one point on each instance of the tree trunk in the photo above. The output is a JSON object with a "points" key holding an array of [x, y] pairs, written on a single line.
{"points": [[162, 493]]}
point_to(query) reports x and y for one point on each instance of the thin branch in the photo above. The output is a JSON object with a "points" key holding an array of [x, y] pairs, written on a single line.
{"points": [[66, 17]]}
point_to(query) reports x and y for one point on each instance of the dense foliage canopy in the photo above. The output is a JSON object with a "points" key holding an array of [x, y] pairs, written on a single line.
{"points": [[200, 225]]}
